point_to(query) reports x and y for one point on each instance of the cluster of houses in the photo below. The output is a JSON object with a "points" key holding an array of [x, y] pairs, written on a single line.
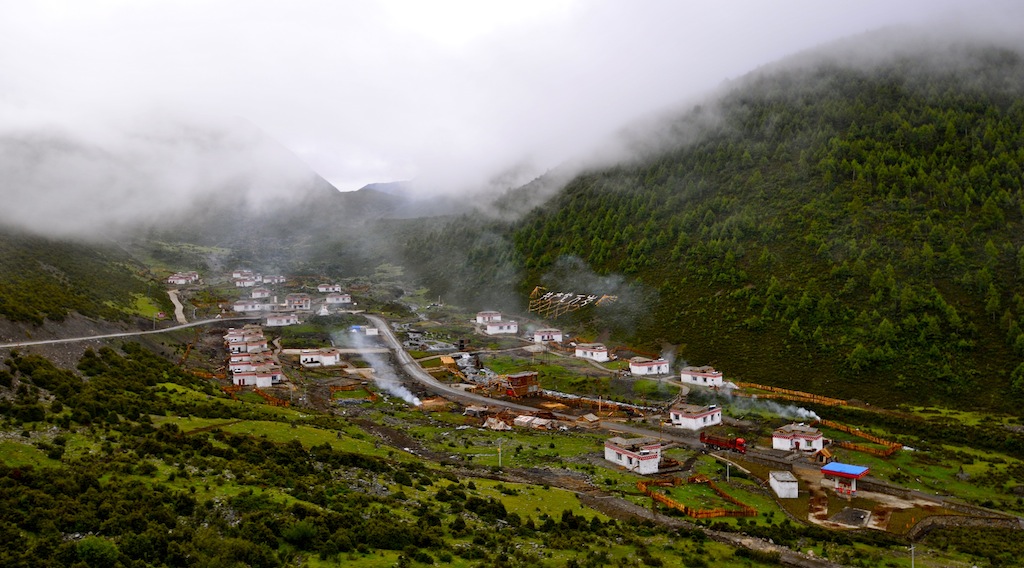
{"points": [[492, 323], [248, 279], [262, 298], [250, 361]]}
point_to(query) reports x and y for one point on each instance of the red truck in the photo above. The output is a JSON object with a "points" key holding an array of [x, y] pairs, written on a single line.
{"points": [[734, 444]]}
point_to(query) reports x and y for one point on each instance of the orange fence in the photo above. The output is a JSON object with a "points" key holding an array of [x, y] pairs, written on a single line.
{"points": [[788, 394], [744, 509], [230, 390], [890, 447], [271, 399]]}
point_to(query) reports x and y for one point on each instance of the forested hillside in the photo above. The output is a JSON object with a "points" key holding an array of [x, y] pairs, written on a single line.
{"points": [[851, 230], [48, 279]]}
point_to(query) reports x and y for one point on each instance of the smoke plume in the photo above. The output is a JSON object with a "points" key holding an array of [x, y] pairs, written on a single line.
{"points": [[384, 374]]}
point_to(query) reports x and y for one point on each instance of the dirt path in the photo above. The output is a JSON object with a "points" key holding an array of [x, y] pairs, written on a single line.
{"points": [[179, 310]]}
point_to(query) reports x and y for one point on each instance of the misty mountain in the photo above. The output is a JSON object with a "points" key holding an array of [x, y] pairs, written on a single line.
{"points": [[849, 226], [48, 279]]}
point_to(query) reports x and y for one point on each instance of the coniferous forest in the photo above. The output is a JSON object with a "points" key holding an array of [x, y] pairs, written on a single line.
{"points": [[849, 230]]}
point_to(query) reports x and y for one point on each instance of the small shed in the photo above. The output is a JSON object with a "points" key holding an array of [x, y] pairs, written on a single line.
{"points": [[589, 420], [784, 484]]}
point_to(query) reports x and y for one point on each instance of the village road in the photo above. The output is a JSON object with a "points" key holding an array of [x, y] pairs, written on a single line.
{"points": [[124, 334], [416, 372], [179, 310], [413, 369]]}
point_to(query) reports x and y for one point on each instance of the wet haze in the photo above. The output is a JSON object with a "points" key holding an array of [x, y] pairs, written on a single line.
{"points": [[112, 108]]}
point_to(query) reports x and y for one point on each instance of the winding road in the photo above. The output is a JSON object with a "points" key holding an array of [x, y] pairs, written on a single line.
{"points": [[123, 334]]}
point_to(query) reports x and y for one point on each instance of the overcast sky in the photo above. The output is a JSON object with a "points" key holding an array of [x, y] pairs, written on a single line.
{"points": [[447, 92]]}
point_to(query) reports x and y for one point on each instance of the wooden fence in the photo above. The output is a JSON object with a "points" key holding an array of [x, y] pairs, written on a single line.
{"points": [[788, 394], [230, 390], [890, 447], [271, 399], [743, 511]]}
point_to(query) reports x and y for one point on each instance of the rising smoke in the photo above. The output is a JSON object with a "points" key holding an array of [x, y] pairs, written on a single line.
{"points": [[385, 375], [788, 411]]}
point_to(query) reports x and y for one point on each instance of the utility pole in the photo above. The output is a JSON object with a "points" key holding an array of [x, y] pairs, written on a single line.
{"points": [[911, 556]]}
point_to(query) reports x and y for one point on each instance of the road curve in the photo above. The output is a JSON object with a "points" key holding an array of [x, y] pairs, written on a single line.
{"points": [[123, 334], [416, 372], [413, 369]]}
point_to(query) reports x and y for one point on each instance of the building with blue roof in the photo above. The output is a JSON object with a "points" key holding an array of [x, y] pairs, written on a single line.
{"points": [[844, 476]]}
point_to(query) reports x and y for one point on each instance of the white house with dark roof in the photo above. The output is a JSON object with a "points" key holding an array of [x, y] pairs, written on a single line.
{"points": [[593, 351], [703, 376], [501, 327], [298, 301], [278, 320], [640, 455], [643, 366], [328, 288], [694, 417], [798, 437], [324, 357], [546, 335], [260, 292], [250, 305], [488, 317], [338, 298]]}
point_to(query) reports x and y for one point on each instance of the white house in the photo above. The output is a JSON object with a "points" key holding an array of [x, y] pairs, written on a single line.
{"points": [[328, 288], [254, 346], [371, 331], [640, 455], [242, 273], [487, 317], [277, 320], [298, 301], [798, 437], [704, 376], [499, 327], [262, 376], [273, 279], [336, 298], [693, 417], [645, 366], [545, 335], [595, 351], [784, 484], [244, 378], [320, 357], [268, 374], [260, 292], [249, 305], [245, 282]]}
